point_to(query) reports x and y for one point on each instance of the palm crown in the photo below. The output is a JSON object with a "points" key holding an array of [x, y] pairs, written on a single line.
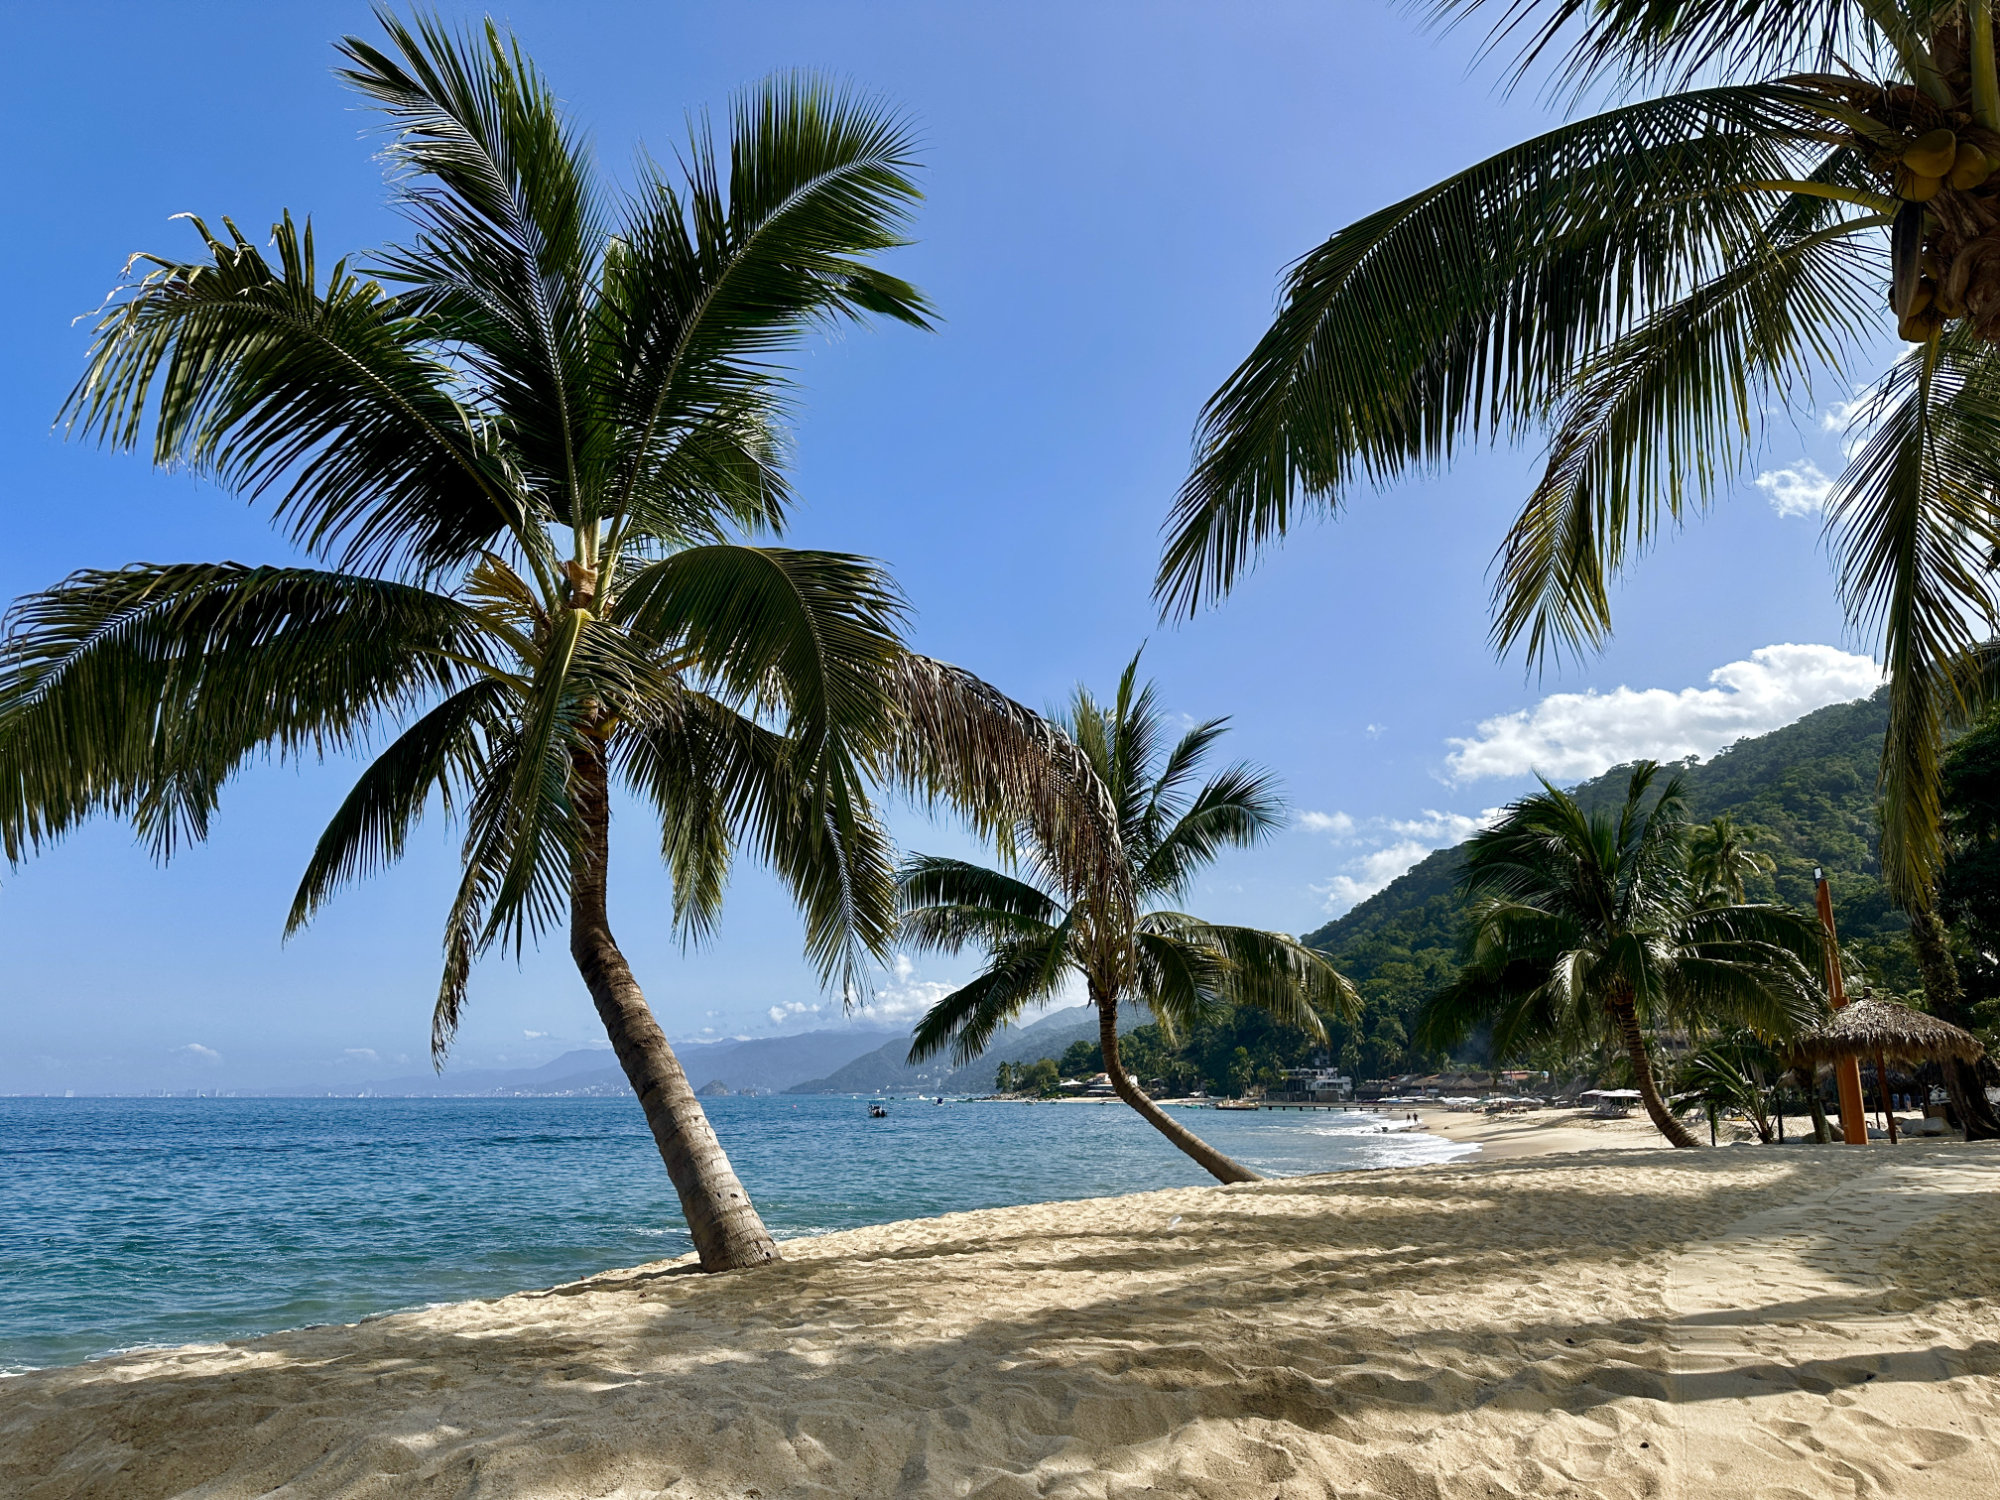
{"points": [[524, 450], [1056, 920], [1642, 286], [1591, 928]]}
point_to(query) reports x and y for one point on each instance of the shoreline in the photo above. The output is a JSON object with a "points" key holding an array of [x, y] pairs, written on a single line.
{"points": [[1611, 1322]]}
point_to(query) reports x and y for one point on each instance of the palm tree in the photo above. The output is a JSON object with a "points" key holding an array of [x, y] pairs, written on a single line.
{"points": [[1642, 285], [1590, 928], [1720, 859], [524, 452], [1736, 1071], [1048, 919]]}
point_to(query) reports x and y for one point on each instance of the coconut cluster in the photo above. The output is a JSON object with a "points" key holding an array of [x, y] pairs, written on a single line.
{"points": [[1948, 245], [1944, 168]]}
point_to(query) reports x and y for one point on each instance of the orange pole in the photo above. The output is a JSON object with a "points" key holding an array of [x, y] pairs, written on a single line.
{"points": [[1846, 1072]]}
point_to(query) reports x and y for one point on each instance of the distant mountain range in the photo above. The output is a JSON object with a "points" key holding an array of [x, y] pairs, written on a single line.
{"points": [[844, 1061], [767, 1064], [886, 1071]]}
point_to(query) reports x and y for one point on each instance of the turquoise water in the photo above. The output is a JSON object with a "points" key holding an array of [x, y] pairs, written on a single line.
{"points": [[131, 1222]]}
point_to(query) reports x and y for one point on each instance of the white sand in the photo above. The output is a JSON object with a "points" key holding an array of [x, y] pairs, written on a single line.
{"points": [[1782, 1324], [1539, 1132]]}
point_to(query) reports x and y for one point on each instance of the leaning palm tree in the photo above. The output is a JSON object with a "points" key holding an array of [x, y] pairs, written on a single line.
{"points": [[524, 454], [1642, 286], [1048, 918], [1589, 929], [1721, 858]]}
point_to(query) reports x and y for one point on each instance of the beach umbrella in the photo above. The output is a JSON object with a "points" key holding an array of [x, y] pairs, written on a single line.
{"points": [[1882, 1029]]}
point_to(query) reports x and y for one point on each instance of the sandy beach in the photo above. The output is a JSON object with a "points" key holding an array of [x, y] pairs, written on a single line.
{"points": [[1768, 1323]]}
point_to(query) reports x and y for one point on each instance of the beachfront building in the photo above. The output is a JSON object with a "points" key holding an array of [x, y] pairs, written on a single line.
{"points": [[1314, 1086]]}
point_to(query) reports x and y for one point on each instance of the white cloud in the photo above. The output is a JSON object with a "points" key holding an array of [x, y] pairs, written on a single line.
{"points": [[1856, 421], [908, 996], [361, 1054], [1374, 731], [1800, 490], [1369, 874], [195, 1052], [1402, 842], [1339, 824], [533, 1036], [1571, 735], [791, 1010]]}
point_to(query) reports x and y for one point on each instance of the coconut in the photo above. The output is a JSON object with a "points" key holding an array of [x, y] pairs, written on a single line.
{"points": [[1969, 167], [1917, 328], [1924, 296], [1915, 187], [1932, 154]]}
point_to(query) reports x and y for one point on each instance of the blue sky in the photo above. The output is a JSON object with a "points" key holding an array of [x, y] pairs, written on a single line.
{"points": [[1113, 190]]}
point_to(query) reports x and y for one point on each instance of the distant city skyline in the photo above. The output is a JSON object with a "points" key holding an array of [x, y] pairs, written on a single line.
{"points": [[1113, 192]]}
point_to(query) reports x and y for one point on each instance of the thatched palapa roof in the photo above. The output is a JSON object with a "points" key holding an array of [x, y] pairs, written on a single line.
{"points": [[1867, 1026]]}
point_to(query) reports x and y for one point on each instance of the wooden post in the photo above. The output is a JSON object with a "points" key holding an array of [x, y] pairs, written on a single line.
{"points": [[1846, 1072], [1882, 1088]]}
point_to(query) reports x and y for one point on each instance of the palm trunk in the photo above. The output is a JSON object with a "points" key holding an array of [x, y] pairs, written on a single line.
{"points": [[1627, 1017], [728, 1235], [1223, 1168], [1822, 1127], [1946, 999]]}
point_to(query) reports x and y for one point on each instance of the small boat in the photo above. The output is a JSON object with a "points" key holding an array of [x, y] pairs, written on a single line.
{"points": [[1236, 1104], [877, 1112]]}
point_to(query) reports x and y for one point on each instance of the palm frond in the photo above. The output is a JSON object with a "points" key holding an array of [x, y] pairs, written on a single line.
{"points": [[440, 753], [930, 882], [509, 236], [812, 635], [1471, 306], [1915, 531], [1182, 980], [1238, 808], [1623, 41], [1278, 975], [1021, 974], [139, 692], [716, 275], [1664, 414], [1005, 769], [332, 397]]}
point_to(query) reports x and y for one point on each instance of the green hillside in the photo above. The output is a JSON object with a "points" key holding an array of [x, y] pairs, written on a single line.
{"points": [[1807, 789]]}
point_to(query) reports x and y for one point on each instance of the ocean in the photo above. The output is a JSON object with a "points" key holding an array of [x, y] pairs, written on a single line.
{"points": [[126, 1223]]}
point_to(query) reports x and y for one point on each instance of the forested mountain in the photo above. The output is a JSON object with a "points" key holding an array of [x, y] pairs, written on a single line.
{"points": [[1807, 790]]}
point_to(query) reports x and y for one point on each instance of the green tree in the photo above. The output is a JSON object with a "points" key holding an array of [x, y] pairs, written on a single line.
{"points": [[1589, 927], [1970, 890], [1081, 1059], [1050, 918], [523, 452], [1969, 898], [1734, 1072], [1720, 858], [1643, 285], [1041, 1078]]}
